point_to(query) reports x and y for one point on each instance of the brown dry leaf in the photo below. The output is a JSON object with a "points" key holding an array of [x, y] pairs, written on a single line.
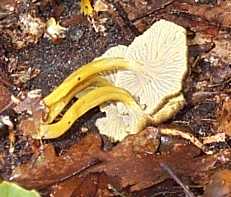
{"points": [[87, 186], [224, 118], [133, 161], [211, 23], [53, 169], [33, 106], [141, 170], [219, 185], [5, 98], [219, 14]]}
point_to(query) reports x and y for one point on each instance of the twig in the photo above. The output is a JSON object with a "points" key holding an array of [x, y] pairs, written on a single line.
{"points": [[178, 181], [187, 136]]}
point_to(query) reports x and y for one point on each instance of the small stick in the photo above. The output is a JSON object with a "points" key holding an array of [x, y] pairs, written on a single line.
{"points": [[178, 181], [188, 136]]}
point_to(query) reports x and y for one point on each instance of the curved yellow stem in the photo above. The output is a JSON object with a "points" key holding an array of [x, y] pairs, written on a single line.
{"points": [[84, 104], [82, 74], [56, 108]]}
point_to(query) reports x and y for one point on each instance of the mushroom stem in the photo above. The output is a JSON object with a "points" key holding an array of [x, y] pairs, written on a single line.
{"points": [[56, 108], [84, 72], [84, 104]]}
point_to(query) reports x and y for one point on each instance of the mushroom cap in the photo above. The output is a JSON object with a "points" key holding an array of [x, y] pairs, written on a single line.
{"points": [[117, 124], [159, 59]]}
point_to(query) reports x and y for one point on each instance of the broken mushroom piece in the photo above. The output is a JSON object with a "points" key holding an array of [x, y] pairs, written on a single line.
{"points": [[54, 29], [118, 125], [85, 103]]}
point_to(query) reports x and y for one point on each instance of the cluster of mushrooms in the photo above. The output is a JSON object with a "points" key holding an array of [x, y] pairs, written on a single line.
{"points": [[134, 85]]}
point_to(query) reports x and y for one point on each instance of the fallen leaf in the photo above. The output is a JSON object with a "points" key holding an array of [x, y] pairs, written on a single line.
{"points": [[140, 170], [33, 106], [219, 185], [219, 14], [96, 184], [54, 169]]}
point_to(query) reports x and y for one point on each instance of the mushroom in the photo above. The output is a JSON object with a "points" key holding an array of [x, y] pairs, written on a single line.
{"points": [[92, 99], [161, 54], [79, 90], [144, 63], [151, 69]]}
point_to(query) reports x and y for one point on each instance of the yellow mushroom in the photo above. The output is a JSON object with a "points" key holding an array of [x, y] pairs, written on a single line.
{"points": [[56, 108], [83, 73], [151, 69], [160, 54], [90, 100]]}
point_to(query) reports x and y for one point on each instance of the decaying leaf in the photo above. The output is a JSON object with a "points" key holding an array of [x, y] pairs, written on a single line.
{"points": [[140, 170], [134, 162], [96, 184], [219, 14], [30, 31], [219, 184], [86, 7], [53, 169], [33, 107]]}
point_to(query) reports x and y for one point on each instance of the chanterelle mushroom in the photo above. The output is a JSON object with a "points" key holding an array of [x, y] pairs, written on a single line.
{"points": [[161, 54], [151, 69], [92, 99]]}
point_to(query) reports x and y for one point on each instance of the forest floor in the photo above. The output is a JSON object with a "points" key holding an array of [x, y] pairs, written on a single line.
{"points": [[84, 163]]}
